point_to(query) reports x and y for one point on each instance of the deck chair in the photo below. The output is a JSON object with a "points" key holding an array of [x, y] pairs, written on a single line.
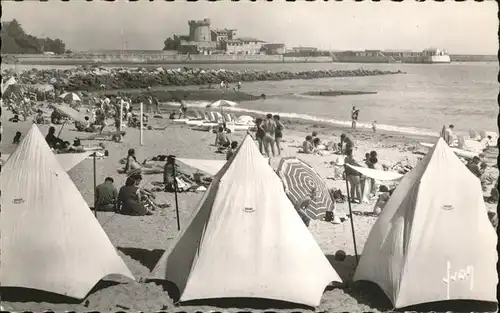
{"points": [[198, 115]]}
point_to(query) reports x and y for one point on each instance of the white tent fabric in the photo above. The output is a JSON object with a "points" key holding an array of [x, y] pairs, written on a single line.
{"points": [[211, 167], [11, 81], [67, 160], [50, 239], [246, 240], [222, 104], [434, 230], [377, 174]]}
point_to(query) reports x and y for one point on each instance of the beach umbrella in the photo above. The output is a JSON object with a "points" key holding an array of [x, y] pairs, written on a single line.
{"points": [[70, 97], [68, 112], [222, 104], [301, 181]]}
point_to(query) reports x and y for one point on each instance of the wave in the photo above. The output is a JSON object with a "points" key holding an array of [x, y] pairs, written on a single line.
{"points": [[343, 123]]}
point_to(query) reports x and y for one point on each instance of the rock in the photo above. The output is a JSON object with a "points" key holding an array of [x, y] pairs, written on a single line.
{"points": [[90, 79]]}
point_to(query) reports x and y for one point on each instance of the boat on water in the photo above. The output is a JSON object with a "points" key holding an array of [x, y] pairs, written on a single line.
{"points": [[428, 56]]}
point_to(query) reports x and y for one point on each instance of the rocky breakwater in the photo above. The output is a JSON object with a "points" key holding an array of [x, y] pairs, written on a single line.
{"points": [[89, 79]]}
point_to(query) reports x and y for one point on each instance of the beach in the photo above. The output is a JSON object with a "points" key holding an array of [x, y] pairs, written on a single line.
{"points": [[141, 241]]}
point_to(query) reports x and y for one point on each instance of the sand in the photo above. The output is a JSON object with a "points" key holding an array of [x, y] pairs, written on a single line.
{"points": [[141, 240]]}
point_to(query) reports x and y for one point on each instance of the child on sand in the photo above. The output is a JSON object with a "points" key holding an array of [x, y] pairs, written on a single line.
{"points": [[374, 126], [221, 139], [307, 145], [17, 138]]}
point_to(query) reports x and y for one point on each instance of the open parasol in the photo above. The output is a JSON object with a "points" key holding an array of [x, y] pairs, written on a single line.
{"points": [[302, 182], [68, 112], [222, 104], [70, 97]]}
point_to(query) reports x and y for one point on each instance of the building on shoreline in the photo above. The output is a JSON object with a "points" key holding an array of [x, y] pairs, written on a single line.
{"points": [[204, 40]]}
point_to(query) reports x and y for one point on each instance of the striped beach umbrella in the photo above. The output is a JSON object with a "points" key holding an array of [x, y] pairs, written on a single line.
{"points": [[304, 186], [70, 97]]}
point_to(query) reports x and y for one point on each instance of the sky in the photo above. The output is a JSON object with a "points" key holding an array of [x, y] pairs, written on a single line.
{"points": [[458, 27]]}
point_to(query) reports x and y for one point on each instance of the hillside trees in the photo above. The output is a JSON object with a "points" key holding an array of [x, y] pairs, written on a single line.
{"points": [[16, 41]]}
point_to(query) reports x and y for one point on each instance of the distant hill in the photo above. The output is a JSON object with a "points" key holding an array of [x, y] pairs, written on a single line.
{"points": [[16, 41]]}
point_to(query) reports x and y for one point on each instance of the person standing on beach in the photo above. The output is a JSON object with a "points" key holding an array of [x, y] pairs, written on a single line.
{"points": [[259, 134], [157, 104], [374, 126], [448, 134], [278, 134], [353, 177], [354, 117], [269, 127]]}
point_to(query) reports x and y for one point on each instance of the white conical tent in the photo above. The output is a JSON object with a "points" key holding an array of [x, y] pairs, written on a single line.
{"points": [[246, 240], [67, 160], [433, 241], [49, 238]]}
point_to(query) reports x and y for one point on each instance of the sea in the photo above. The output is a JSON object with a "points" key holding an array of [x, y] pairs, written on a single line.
{"points": [[419, 102]]}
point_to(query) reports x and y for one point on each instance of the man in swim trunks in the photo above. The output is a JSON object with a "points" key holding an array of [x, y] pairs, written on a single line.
{"points": [[354, 117]]}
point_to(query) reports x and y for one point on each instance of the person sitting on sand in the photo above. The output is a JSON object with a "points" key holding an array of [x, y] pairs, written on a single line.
{"points": [[307, 145], [221, 139], [367, 159], [39, 118], [232, 150], [52, 140], [77, 147], [349, 143], [17, 138], [473, 166], [83, 126], [56, 117], [129, 200], [14, 119], [353, 177], [132, 165], [384, 196], [317, 143], [106, 196]]}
